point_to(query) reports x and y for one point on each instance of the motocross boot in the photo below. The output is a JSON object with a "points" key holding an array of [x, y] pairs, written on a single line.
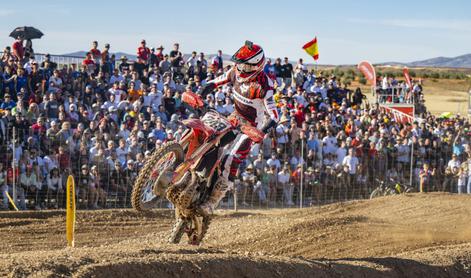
{"points": [[219, 191]]}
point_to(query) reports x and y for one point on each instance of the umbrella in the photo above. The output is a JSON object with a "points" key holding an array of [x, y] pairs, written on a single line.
{"points": [[26, 32]]}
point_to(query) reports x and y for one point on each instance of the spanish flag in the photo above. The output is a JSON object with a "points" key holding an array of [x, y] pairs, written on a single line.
{"points": [[311, 49]]}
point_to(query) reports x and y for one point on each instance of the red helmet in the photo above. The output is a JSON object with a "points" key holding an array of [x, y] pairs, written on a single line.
{"points": [[249, 61]]}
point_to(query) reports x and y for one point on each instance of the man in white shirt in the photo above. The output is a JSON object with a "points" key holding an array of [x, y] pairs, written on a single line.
{"points": [[341, 153], [403, 152], [191, 62], [156, 96], [116, 92], [330, 143], [273, 161], [454, 162], [352, 162], [28, 65], [283, 179], [385, 83], [300, 97], [109, 103], [282, 131]]}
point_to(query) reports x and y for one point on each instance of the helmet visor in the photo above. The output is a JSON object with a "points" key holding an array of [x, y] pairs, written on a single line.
{"points": [[246, 68]]}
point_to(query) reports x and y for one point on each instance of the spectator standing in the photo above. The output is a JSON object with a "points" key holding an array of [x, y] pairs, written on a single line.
{"points": [[284, 183], [175, 56], [18, 49], [89, 64], [279, 72], [426, 178], [143, 52], [462, 176], [4, 188], [96, 53], [218, 62], [351, 162], [287, 69]]}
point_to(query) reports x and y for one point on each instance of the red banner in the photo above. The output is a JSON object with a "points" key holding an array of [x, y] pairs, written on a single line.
{"points": [[405, 71], [368, 71], [401, 114]]}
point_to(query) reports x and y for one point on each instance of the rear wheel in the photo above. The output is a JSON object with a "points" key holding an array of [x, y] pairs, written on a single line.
{"points": [[156, 175]]}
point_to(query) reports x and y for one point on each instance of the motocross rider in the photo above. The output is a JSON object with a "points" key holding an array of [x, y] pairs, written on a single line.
{"points": [[253, 98]]}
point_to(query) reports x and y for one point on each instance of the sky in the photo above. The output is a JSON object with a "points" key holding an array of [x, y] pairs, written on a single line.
{"points": [[347, 31]]}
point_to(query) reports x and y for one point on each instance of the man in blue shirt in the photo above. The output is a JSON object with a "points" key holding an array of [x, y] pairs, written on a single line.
{"points": [[7, 103]]}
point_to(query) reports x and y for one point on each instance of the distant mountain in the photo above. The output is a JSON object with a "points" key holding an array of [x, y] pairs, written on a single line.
{"points": [[117, 54], [133, 57], [463, 61]]}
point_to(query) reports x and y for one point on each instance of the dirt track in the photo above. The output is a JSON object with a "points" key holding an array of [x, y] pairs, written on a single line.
{"points": [[400, 236]]}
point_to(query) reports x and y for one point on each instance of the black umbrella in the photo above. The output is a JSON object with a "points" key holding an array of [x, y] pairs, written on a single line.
{"points": [[26, 32]]}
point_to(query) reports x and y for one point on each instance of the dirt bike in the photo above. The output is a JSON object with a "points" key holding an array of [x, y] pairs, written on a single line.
{"points": [[186, 172], [390, 188]]}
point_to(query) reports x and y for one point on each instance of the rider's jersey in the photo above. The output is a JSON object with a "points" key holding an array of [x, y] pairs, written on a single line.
{"points": [[249, 104]]}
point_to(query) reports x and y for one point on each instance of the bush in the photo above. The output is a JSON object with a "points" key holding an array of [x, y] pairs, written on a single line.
{"points": [[362, 80], [445, 75], [347, 81], [351, 72]]}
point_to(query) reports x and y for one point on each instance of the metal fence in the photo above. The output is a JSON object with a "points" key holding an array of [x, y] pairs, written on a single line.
{"points": [[35, 170], [60, 60]]}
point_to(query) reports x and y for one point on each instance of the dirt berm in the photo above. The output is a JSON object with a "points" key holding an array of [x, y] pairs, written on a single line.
{"points": [[417, 235]]}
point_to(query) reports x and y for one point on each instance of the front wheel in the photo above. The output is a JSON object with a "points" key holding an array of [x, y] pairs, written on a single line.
{"points": [[155, 176], [376, 193]]}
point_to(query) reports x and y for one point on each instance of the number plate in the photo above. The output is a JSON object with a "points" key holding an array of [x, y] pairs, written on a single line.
{"points": [[216, 122]]}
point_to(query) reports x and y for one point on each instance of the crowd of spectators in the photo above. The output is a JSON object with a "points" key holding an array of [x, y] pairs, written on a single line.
{"points": [[100, 120]]}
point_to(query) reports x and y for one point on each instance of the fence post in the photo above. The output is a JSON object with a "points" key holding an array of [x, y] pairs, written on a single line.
{"points": [[411, 164], [302, 175], [235, 198], [13, 167]]}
